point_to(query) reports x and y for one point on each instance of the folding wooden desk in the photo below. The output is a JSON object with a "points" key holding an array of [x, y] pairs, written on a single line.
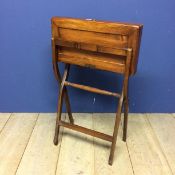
{"points": [[108, 46]]}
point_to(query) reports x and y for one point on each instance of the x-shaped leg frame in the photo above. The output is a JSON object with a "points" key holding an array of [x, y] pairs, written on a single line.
{"points": [[123, 101], [59, 79], [62, 93]]}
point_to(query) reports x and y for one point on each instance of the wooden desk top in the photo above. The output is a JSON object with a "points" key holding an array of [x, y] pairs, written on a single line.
{"points": [[96, 44]]}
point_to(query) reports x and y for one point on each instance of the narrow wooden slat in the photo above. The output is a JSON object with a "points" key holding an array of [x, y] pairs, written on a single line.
{"points": [[41, 154], [146, 154], [91, 89], [13, 141], [121, 164], [164, 128], [77, 152], [86, 131], [3, 119]]}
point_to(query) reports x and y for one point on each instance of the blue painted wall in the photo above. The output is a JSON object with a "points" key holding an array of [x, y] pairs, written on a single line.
{"points": [[27, 83]]}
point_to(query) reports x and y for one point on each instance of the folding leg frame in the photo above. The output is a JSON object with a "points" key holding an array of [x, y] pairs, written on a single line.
{"points": [[58, 77], [123, 100]]}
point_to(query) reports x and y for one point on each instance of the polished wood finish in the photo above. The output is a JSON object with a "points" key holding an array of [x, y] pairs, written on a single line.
{"points": [[92, 60], [86, 131], [58, 78], [92, 32], [60, 103], [92, 89], [109, 46], [119, 110]]}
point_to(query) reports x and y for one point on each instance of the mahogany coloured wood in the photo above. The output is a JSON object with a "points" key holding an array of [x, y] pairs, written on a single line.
{"points": [[110, 36], [109, 46]]}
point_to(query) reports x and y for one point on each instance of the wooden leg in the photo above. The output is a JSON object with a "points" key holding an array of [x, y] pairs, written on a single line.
{"points": [[118, 115], [125, 123], [125, 91], [68, 106], [60, 103], [58, 77], [117, 122], [66, 97]]}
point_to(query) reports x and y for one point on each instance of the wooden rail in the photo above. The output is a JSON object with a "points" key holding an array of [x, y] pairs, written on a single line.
{"points": [[86, 131], [92, 89]]}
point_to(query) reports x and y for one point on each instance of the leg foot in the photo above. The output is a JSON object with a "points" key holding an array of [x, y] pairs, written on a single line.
{"points": [[55, 141], [71, 119], [110, 161], [116, 126], [125, 123]]}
